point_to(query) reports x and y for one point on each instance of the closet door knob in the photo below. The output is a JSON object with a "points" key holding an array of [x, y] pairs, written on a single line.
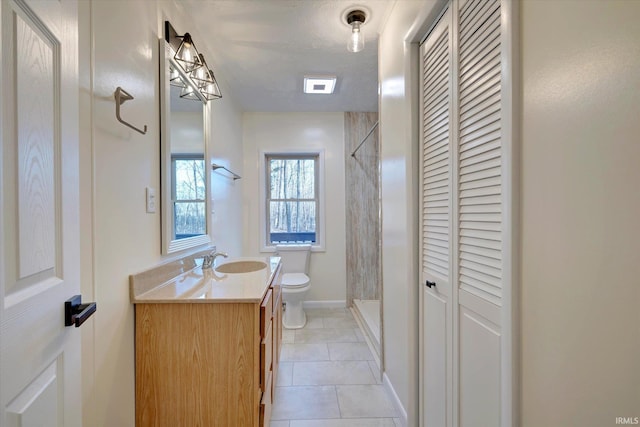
{"points": [[430, 284]]}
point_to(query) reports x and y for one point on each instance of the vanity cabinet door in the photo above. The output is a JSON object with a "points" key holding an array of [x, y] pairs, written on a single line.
{"points": [[266, 358], [266, 403], [277, 336], [267, 376], [266, 312], [266, 338], [190, 373], [276, 288]]}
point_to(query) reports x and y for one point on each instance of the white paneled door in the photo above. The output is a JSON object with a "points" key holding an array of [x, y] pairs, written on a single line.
{"points": [[437, 208], [466, 211], [39, 257]]}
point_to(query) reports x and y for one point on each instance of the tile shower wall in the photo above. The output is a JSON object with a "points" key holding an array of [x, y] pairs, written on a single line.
{"points": [[362, 207]]}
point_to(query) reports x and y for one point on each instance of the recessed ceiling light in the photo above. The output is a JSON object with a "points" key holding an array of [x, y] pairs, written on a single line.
{"points": [[319, 84]]}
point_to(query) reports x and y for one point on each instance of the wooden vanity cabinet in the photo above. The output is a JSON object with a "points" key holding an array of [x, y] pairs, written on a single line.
{"points": [[208, 364]]}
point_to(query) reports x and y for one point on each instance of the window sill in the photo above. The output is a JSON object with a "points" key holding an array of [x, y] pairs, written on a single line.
{"points": [[272, 249]]}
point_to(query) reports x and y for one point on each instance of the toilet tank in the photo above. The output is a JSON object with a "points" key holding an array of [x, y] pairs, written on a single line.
{"points": [[295, 258]]}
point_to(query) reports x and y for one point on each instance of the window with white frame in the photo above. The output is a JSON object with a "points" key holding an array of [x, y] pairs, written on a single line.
{"points": [[292, 205]]}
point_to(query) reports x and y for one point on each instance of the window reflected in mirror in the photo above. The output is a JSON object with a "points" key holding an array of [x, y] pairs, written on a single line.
{"points": [[188, 195], [188, 190]]}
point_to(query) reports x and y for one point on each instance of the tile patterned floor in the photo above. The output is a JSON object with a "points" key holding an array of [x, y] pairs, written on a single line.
{"points": [[328, 378]]}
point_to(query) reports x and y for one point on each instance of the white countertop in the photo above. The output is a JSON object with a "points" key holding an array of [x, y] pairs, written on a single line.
{"points": [[210, 286]]}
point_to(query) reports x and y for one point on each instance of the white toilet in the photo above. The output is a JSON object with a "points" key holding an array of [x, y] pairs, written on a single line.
{"points": [[295, 283]]}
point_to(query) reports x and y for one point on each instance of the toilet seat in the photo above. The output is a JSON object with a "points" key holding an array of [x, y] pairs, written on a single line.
{"points": [[295, 280]]}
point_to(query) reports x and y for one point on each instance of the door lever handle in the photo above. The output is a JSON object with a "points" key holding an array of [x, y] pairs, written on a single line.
{"points": [[76, 313], [430, 284]]}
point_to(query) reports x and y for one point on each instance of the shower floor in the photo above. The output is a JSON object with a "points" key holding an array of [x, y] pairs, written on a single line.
{"points": [[369, 312]]}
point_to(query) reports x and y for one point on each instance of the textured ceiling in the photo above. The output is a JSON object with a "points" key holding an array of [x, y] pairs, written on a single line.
{"points": [[263, 48]]}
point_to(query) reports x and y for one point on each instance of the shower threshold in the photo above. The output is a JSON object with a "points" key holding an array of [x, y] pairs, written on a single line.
{"points": [[368, 313]]}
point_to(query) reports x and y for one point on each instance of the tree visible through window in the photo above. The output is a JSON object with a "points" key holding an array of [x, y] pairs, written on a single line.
{"points": [[292, 198], [188, 196]]}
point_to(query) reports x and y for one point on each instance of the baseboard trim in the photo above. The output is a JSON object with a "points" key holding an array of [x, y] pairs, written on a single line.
{"points": [[396, 400], [325, 304]]}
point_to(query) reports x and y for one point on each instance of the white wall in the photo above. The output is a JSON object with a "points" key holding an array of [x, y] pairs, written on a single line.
{"points": [[581, 205], [187, 132], [125, 238], [398, 71], [226, 149], [118, 236], [298, 131]]}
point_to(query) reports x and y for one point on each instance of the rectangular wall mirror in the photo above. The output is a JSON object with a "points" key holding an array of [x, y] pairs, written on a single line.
{"points": [[184, 162]]}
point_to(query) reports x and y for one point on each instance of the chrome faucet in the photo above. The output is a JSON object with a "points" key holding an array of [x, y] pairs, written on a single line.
{"points": [[208, 260]]}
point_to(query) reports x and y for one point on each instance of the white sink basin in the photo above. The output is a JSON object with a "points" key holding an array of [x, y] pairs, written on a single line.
{"points": [[241, 266]]}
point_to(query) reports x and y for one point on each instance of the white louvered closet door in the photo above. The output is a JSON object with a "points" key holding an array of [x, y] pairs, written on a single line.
{"points": [[480, 212], [437, 205], [466, 335]]}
